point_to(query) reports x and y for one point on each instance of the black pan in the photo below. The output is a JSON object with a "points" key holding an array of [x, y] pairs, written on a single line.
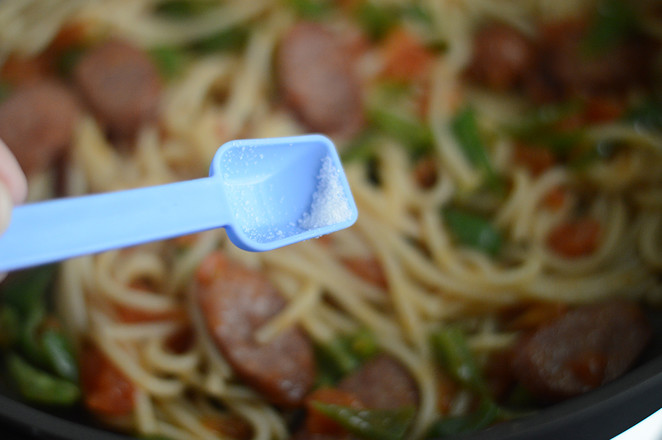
{"points": [[600, 414]]}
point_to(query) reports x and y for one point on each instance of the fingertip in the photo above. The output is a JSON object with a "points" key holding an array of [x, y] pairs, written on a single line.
{"points": [[12, 176], [6, 206]]}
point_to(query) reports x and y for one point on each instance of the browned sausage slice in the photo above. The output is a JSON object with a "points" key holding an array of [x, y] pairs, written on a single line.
{"points": [[37, 123], [317, 79], [235, 301], [121, 85], [382, 383], [581, 350], [501, 57]]}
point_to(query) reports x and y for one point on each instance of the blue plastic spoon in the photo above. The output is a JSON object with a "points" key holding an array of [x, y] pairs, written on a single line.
{"points": [[267, 193]]}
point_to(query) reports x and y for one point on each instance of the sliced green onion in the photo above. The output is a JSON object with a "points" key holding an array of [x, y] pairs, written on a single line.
{"points": [[465, 128], [473, 230], [411, 132], [169, 60]]}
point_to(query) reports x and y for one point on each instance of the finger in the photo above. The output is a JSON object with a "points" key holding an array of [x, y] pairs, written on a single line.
{"points": [[6, 205], [12, 176]]}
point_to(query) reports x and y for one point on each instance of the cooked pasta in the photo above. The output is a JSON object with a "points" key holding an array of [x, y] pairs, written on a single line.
{"points": [[584, 227]]}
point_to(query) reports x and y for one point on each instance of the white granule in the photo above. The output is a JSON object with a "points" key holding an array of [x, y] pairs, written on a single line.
{"points": [[329, 205]]}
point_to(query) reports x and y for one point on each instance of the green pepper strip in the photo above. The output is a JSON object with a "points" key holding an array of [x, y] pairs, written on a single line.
{"points": [[10, 326], [25, 290], [646, 116], [169, 60], [465, 128], [615, 19], [312, 9], [226, 40], [344, 354], [473, 230], [183, 9], [29, 342], [453, 351], [37, 386], [408, 130], [372, 424], [60, 354], [376, 20], [486, 414]]}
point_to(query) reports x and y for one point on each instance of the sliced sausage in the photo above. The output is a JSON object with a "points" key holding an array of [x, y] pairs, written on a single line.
{"points": [[501, 57], [382, 383], [121, 84], [37, 123], [235, 301], [317, 79], [565, 67], [582, 350]]}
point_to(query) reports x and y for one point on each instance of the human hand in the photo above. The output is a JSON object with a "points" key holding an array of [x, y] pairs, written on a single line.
{"points": [[13, 186]]}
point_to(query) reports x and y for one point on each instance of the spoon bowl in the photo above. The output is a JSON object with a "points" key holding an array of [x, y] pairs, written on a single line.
{"points": [[267, 193]]}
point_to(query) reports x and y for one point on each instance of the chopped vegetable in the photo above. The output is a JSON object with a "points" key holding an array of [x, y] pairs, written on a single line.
{"points": [[451, 348], [181, 9], [105, 388], [24, 291], [473, 231], [9, 326], [413, 134], [226, 40], [29, 338], [646, 116], [311, 9], [373, 424], [376, 20], [38, 386], [361, 148], [465, 129], [68, 59], [316, 421], [60, 354], [614, 21], [37, 339], [486, 414], [575, 238], [343, 355], [544, 126], [406, 58], [169, 60]]}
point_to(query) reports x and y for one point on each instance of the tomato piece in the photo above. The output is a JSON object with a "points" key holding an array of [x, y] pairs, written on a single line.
{"points": [[130, 315], [601, 110], [575, 238], [318, 423], [555, 198], [536, 159], [106, 390], [406, 57]]}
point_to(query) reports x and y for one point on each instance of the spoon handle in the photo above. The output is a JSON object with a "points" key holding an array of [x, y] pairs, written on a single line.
{"points": [[54, 230]]}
